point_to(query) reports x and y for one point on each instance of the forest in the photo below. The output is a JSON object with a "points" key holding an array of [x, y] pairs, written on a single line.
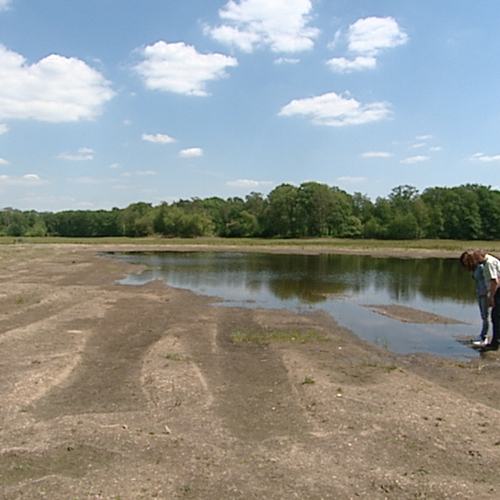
{"points": [[311, 210]]}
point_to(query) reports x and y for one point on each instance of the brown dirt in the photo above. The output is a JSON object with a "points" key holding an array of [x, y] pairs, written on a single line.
{"points": [[411, 315], [116, 392]]}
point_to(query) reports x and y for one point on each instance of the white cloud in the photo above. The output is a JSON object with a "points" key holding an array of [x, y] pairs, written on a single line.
{"points": [[247, 183], [484, 158], [424, 137], [48, 200], [281, 25], [191, 152], [343, 65], [415, 159], [4, 162], [419, 145], [90, 180], [366, 39], [286, 60], [4, 4], [179, 68], [55, 89], [335, 110], [435, 148], [115, 165], [371, 35], [84, 154], [353, 180], [25, 180], [144, 172], [376, 154], [158, 138], [3, 128]]}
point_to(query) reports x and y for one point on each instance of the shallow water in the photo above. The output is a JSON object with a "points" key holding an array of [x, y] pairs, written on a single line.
{"points": [[341, 285]]}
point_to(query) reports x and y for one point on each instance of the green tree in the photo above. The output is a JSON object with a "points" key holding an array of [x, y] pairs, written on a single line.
{"points": [[457, 213], [218, 210], [137, 220], [315, 202], [280, 218]]}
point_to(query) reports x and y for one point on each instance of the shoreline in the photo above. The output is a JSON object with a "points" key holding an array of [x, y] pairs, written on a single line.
{"points": [[143, 392], [312, 249]]}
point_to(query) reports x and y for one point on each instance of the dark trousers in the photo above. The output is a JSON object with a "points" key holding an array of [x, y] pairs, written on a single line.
{"points": [[495, 319]]}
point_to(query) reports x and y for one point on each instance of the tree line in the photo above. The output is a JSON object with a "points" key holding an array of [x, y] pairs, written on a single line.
{"points": [[311, 210]]}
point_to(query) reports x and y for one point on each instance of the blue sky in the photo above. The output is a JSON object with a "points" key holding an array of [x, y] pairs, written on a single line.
{"points": [[104, 103]]}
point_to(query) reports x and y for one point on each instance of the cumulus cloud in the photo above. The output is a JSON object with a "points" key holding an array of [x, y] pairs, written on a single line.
{"points": [[4, 4], [158, 138], [415, 159], [144, 172], [336, 111], [3, 128], [83, 154], [25, 180], [286, 60], [366, 39], [353, 180], [343, 65], [191, 152], [55, 89], [4, 162], [247, 183], [484, 158], [281, 25], [179, 68], [376, 154]]}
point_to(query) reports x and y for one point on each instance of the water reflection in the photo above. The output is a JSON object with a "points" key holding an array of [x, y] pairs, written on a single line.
{"points": [[338, 284]]}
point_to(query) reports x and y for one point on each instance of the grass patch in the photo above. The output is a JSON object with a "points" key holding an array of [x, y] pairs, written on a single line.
{"points": [[373, 364], [176, 357], [323, 244], [267, 336], [308, 381]]}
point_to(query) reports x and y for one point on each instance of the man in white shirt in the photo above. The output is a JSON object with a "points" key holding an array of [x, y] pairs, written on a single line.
{"points": [[492, 277]]}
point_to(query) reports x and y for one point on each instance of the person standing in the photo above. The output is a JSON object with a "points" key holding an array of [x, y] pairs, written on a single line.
{"points": [[477, 272], [492, 276]]}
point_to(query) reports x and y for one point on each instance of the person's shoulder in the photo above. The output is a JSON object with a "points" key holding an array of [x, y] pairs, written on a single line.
{"points": [[492, 261]]}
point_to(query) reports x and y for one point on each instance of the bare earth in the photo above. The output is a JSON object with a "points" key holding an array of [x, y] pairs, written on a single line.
{"points": [[116, 392]]}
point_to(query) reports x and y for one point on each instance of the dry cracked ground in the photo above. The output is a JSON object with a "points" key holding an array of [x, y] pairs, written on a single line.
{"points": [[120, 392]]}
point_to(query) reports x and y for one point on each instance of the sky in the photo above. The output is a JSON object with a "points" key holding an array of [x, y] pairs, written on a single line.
{"points": [[104, 103]]}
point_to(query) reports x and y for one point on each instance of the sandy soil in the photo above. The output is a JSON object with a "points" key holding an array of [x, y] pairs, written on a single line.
{"points": [[116, 392]]}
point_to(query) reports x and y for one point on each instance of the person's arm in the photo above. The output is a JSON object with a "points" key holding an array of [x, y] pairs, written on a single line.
{"points": [[493, 289]]}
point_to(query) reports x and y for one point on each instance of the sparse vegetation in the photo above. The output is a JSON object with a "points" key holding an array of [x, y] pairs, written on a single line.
{"points": [[176, 357], [267, 336], [308, 381], [383, 366]]}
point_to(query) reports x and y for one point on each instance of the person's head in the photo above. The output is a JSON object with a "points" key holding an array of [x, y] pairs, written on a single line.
{"points": [[478, 256], [467, 261]]}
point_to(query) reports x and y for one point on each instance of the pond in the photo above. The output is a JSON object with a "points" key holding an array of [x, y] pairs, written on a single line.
{"points": [[341, 285]]}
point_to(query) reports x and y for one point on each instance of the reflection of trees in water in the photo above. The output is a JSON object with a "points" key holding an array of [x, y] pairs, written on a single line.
{"points": [[307, 276], [311, 278]]}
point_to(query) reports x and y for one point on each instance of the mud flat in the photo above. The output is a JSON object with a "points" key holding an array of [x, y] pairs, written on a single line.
{"points": [[117, 392]]}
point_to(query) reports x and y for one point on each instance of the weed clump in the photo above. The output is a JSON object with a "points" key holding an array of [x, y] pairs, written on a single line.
{"points": [[267, 336]]}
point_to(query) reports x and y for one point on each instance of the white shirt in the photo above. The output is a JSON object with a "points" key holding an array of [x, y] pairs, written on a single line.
{"points": [[491, 268]]}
